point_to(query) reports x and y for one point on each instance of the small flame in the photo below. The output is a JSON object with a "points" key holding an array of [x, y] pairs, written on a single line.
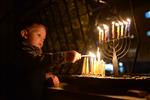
{"points": [[105, 26], [113, 22], [92, 54], [99, 29], [120, 23], [129, 20], [116, 24]]}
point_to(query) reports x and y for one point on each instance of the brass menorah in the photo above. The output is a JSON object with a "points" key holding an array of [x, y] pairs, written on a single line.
{"points": [[114, 43], [115, 46]]}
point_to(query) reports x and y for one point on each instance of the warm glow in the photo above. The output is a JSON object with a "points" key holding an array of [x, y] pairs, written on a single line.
{"points": [[98, 54], [105, 27], [125, 22], [120, 23], [113, 30], [129, 20], [98, 28], [92, 54], [118, 32], [116, 24], [113, 22], [100, 33]]}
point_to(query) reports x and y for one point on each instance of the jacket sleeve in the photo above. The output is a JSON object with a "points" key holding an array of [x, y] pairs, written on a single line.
{"points": [[53, 58], [30, 56]]}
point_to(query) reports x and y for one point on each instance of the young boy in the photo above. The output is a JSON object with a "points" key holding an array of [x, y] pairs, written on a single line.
{"points": [[31, 63]]}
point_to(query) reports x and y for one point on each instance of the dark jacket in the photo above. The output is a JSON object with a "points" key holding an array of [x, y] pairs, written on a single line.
{"points": [[30, 71]]}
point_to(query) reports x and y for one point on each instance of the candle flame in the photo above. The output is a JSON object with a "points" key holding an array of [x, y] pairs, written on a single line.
{"points": [[129, 20], [113, 22], [99, 29], [92, 54], [105, 26], [116, 24], [120, 23]]}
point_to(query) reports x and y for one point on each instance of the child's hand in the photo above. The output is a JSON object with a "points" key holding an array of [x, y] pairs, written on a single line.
{"points": [[72, 56], [52, 79]]}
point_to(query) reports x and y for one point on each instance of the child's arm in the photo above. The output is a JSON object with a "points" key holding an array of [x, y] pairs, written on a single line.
{"points": [[60, 57], [31, 56]]}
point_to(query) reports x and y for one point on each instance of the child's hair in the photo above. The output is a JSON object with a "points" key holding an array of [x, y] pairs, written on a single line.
{"points": [[29, 23]]}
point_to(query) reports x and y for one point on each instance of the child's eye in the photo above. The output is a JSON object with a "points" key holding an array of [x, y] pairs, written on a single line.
{"points": [[38, 34]]}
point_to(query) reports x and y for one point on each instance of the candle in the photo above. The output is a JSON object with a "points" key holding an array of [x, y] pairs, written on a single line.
{"points": [[126, 26], [98, 54], [102, 68], [106, 28], [102, 32], [129, 23], [122, 26], [94, 65], [98, 62], [99, 33], [91, 62], [117, 29], [108, 35], [113, 30], [98, 71], [84, 66], [87, 65]]}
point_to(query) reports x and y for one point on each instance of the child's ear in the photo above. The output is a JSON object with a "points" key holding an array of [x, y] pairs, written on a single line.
{"points": [[24, 34]]}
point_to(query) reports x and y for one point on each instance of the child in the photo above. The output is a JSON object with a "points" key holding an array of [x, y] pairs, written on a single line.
{"points": [[31, 63]]}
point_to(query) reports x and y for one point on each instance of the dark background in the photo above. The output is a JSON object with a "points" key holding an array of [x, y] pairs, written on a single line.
{"points": [[70, 23]]}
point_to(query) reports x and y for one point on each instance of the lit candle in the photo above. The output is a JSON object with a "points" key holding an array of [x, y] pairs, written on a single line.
{"points": [[98, 62], [99, 33], [108, 34], [91, 62], [113, 30], [122, 26], [106, 28], [117, 29], [102, 32], [98, 54], [126, 26], [129, 23]]}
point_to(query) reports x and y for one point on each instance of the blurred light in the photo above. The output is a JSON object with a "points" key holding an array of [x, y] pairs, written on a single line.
{"points": [[120, 64], [147, 14], [109, 67], [121, 67], [148, 33]]}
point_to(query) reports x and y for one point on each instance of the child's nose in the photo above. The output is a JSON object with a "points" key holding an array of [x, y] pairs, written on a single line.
{"points": [[42, 39]]}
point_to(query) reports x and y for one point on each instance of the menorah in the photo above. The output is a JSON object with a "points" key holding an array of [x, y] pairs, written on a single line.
{"points": [[114, 43], [115, 46]]}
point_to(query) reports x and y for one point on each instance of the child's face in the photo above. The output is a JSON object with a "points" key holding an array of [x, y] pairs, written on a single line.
{"points": [[36, 35]]}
